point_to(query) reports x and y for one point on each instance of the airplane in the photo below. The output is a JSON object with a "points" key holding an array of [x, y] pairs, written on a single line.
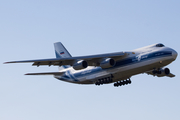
{"points": [[108, 68]]}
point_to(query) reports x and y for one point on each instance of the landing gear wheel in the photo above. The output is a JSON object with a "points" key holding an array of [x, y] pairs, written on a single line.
{"points": [[126, 82], [115, 85], [119, 83]]}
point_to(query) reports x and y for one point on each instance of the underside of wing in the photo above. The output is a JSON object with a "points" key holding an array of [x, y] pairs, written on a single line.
{"points": [[171, 75], [92, 60], [161, 73], [46, 73]]}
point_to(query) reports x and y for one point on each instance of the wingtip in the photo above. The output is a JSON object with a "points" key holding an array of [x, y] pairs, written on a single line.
{"points": [[10, 62], [27, 74]]}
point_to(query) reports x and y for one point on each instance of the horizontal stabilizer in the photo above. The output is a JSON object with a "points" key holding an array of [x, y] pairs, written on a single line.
{"points": [[46, 73]]}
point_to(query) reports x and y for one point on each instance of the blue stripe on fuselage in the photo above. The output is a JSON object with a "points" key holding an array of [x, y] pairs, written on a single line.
{"points": [[72, 77], [127, 61]]}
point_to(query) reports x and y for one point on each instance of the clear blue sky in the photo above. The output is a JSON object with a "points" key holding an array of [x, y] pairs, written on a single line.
{"points": [[28, 30]]}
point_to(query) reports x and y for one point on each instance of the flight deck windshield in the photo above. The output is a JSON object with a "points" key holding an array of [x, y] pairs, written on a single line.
{"points": [[160, 45]]}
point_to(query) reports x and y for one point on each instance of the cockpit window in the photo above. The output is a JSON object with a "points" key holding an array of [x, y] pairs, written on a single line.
{"points": [[159, 45]]}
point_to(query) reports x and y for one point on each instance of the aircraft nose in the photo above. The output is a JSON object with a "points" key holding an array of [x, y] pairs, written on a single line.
{"points": [[174, 54]]}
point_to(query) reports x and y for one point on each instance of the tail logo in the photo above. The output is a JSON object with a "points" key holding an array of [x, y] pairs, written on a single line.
{"points": [[61, 53]]}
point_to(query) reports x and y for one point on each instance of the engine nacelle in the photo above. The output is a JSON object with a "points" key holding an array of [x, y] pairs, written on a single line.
{"points": [[165, 71], [162, 72], [107, 63], [80, 65]]}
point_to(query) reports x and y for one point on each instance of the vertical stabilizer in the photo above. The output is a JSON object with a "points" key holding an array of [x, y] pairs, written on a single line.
{"points": [[61, 52]]}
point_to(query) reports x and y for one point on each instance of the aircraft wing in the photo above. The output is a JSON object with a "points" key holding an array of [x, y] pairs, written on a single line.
{"points": [[160, 75], [46, 73], [91, 60]]}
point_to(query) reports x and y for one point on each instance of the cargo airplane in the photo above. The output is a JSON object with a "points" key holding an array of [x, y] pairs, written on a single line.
{"points": [[115, 68]]}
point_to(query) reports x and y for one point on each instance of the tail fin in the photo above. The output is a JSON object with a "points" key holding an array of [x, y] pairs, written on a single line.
{"points": [[61, 52]]}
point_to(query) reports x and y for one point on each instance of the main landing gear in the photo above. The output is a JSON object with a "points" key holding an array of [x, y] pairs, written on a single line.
{"points": [[120, 83], [104, 81]]}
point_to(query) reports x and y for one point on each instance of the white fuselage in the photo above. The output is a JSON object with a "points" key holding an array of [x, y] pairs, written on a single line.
{"points": [[137, 61]]}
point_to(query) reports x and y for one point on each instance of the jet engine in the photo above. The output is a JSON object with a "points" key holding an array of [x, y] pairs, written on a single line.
{"points": [[80, 65], [165, 71], [162, 72], [107, 63]]}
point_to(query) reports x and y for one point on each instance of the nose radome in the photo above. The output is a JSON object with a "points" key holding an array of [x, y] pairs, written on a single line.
{"points": [[174, 54]]}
